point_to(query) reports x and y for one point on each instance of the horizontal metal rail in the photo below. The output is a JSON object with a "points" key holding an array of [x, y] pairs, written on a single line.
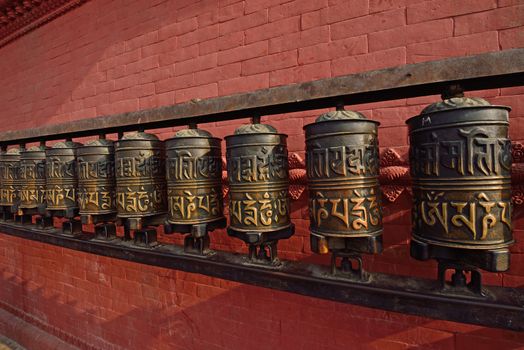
{"points": [[484, 71], [501, 307]]}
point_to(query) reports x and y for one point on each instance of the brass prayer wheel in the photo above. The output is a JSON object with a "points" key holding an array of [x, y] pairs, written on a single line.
{"points": [[194, 178], [257, 167], [140, 181], [96, 181], [460, 157], [62, 179], [342, 167], [33, 179], [9, 179]]}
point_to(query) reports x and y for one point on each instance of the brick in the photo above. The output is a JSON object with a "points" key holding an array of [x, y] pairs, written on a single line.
{"points": [[409, 34], [479, 342], [269, 63], [456, 46], [197, 36], [243, 53], [313, 19], [142, 40], [295, 8], [198, 92], [255, 5], [272, 30], [230, 12], [504, 3], [254, 19], [300, 74], [179, 55], [502, 18], [178, 28], [207, 18], [332, 50], [385, 5], [347, 9], [126, 82], [371, 61], [174, 83], [218, 74], [230, 41], [368, 24], [435, 9], [197, 64], [511, 38], [303, 38], [243, 84]]}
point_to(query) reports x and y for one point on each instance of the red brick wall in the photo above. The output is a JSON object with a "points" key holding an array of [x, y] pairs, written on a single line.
{"points": [[110, 57]]}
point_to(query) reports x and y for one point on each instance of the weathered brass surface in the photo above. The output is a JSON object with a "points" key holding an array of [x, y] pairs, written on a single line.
{"points": [[194, 178], [32, 178], [96, 178], [460, 157], [140, 179], [61, 177], [9, 174], [257, 168], [342, 168]]}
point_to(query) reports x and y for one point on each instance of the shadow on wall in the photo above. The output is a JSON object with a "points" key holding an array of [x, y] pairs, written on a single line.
{"points": [[117, 304], [197, 316]]}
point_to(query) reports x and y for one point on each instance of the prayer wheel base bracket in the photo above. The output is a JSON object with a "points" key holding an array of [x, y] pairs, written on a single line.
{"points": [[346, 268], [197, 241], [367, 244], [6, 213], [72, 227], [44, 222], [96, 219], [493, 260], [263, 245], [145, 238], [459, 284], [24, 219], [105, 231]]}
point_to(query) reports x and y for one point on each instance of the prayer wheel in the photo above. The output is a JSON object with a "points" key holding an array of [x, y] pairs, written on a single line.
{"points": [[460, 157], [97, 186], [342, 167], [194, 186], [9, 178], [62, 179], [32, 182], [140, 181], [259, 207]]}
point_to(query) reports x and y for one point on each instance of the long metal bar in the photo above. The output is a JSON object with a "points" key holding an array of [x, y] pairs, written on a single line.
{"points": [[484, 71], [501, 307]]}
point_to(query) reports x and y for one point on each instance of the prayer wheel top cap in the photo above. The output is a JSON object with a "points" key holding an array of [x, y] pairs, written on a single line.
{"points": [[36, 149], [459, 102], [13, 151], [339, 115], [193, 133], [255, 129], [66, 144], [99, 142], [140, 135]]}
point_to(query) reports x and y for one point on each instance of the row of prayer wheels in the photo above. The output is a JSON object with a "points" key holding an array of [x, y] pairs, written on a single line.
{"points": [[460, 159]]}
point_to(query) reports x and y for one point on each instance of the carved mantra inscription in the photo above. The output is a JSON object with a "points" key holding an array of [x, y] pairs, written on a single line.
{"points": [[194, 181], [462, 185], [258, 178], [141, 186], [9, 177], [32, 183], [96, 184], [61, 182]]}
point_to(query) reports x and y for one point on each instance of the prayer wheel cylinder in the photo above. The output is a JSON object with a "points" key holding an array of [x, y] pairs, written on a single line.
{"points": [[342, 167], [33, 178], [9, 177], [61, 178], [140, 180], [96, 178], [257, 167], [194, 178], [460, 157]]}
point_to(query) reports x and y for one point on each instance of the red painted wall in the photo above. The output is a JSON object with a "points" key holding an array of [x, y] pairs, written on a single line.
{"points": [[109, 57]]}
